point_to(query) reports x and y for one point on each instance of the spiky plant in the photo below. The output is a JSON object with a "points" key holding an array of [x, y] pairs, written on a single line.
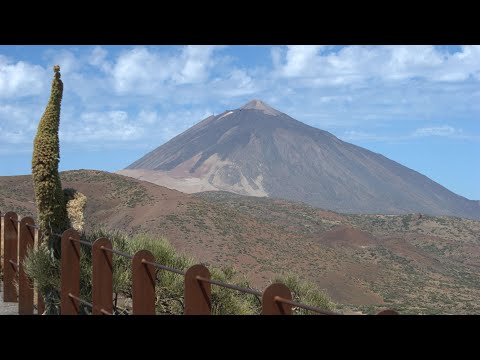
{"points": [[57, 209], [49, 196]]}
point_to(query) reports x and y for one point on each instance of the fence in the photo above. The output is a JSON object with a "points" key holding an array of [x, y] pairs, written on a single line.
{"points": [[19, 237]]}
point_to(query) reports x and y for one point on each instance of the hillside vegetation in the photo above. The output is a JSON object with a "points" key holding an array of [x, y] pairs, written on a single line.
{"points": [[413, 263]]}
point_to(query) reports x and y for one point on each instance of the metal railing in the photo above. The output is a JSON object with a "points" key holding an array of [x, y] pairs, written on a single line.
{"points": [[276, 299]]}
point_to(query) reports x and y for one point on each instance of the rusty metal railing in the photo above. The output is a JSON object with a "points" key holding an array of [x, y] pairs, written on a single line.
{"points": [[18, 239], [276, 299]]}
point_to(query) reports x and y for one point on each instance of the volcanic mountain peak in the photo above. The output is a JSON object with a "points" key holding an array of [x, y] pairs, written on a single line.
{"points": [[257, 150], [260, 105]]}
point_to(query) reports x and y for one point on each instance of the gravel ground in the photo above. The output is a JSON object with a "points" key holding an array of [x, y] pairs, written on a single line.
{"points": [[7, 308]]}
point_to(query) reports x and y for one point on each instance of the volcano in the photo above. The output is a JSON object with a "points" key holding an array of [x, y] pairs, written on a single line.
{"points": [[260, 151]]}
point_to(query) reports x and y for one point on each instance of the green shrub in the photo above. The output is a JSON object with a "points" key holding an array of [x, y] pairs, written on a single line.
{"points": [[306, 293], [45, 270], [231, 302]]}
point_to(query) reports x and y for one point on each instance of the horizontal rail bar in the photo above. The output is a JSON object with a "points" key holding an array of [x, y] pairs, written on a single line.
{"points": [[306, 307], [105, 312], [117, 252], [15, 220], [81, 241], [233, 287], [163, 267], [33, 226], [80, 300], [13, 263]]}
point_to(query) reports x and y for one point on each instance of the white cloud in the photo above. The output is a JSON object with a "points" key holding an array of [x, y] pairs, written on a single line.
{"points": [[354, 87], [107, 127], [98, 58], [444, 130], [299, 58], [148, 117], [118, 127], [14, 150], [353, 135], [352, 64], [276, 54], [363, 136], [18, 136], [407, 61], [174, 123], [195, 63], [236, 83], [18, 123], [69, 61], [21, 79], [139, 71], [14, 116]]}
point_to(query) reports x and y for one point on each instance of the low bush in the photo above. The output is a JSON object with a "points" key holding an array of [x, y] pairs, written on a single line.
{"points": [[45, 270]]}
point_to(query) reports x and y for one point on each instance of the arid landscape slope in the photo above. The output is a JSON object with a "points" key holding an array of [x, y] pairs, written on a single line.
{"points": [[257, 150], [414, 263]]}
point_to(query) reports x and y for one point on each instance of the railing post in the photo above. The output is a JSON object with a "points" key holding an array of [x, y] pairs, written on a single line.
{"points": [[102, 275], [143, 286], [10, 245], [1, 236], [40, 302], [25, 285], [198, 294], [70, 272], [270, 306]]}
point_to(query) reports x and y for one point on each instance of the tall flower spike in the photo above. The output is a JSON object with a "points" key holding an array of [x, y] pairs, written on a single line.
{"points": [[49, 196]]}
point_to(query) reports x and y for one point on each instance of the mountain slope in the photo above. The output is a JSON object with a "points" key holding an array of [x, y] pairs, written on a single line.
{"points": [[413, 263], [257, 150]]}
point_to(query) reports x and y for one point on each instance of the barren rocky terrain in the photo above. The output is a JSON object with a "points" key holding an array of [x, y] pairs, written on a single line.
{"points": [[413, 263]]}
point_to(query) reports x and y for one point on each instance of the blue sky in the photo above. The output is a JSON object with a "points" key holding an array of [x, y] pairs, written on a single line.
{"points": [[418, 105]]}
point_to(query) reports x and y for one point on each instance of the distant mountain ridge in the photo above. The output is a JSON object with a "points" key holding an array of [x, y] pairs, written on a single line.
{"points": [[260, 151]]}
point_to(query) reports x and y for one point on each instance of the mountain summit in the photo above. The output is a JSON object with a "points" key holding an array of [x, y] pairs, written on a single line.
{"points": [[260, 105], [260, 151]]}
